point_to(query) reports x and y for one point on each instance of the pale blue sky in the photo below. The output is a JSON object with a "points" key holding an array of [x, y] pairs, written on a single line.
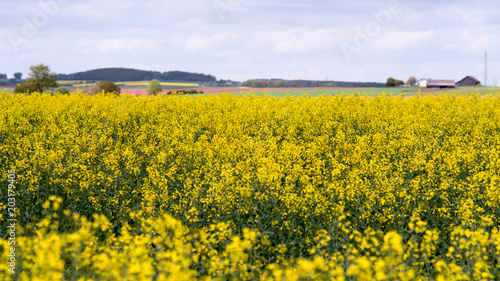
{"points": [[244, 39]]}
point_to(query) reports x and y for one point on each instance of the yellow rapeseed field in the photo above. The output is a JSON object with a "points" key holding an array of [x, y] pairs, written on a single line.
{"points": [[250, 187]]}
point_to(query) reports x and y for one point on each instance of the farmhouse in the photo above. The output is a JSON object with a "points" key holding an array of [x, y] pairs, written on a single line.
{"points": [[468, 81], [440, 84], [422, 83]]}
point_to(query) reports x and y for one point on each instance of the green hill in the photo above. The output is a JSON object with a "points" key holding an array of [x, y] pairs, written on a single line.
{"points": [[116, 74]]}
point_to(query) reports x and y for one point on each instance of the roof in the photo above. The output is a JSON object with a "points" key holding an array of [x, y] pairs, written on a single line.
{"points": [[469, 77], [440, 82], [422, 79]]}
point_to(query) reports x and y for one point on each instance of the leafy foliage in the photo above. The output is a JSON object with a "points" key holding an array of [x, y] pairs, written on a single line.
{"points": [[41, 78], [25, 88], [154, 87], [184, 92], [391, 82], [109, 87], [412, 80], [62, 90], [18, 75]]}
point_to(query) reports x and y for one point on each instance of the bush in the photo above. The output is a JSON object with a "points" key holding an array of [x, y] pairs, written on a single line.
{"points": [[93, 90], [59, 90], [63, 90], [25, 88], [109, 87], [175, 92], [391, 82]]}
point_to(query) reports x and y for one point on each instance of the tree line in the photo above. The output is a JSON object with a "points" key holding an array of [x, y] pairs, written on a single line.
{"points": [[282, 83], [5, 81], [128, 74], [392, 82]]}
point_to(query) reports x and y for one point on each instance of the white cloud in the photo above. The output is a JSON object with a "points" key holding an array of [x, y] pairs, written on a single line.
{"points": [[122, 45], [301, 40], [208, 43], [273, 38], [404, 41]]}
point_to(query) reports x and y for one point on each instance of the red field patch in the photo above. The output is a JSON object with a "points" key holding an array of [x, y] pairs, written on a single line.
{"points": [[138, 92]]}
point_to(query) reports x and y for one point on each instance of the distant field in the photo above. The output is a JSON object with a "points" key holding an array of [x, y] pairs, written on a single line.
{"points": [[380, 91], [128, 84], [314, 92], [339, 91], [468, 90], [139, 87], [362, 91], [75, 83], [282, 92], [146, 83]]}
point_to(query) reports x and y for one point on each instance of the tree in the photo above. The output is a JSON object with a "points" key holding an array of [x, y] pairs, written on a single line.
{"points": [[109, 87], [3, 76], [412, 80], [154, 87], [18, 75], [391, 82], [41, 78]]}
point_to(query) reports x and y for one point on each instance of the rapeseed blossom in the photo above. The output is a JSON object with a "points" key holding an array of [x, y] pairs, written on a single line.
{"points": [[252, 187]]}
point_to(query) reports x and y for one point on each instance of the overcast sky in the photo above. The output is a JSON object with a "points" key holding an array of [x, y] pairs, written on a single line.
{"points": [[244, 39]]}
